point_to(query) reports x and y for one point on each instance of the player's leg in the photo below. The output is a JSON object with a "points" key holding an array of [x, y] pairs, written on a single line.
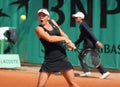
{"points": [[103, 71], [69, 76], [84, 66], [42, 79]]}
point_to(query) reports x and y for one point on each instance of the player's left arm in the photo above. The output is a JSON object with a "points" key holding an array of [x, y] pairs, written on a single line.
{"points": [[69, 44], [61, 32], [93, 38]]}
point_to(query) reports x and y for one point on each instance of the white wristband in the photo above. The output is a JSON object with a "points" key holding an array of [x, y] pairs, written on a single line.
{"points": [[97, 42]]}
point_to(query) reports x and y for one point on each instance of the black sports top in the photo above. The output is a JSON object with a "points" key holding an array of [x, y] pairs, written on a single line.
{"points": [[53, 51]]}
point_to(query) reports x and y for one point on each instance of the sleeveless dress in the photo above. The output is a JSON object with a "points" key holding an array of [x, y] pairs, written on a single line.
{"points": [[55, 55]]}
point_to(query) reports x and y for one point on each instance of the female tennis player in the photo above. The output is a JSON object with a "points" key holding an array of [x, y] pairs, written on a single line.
{"points": [[51, 36], [89, 42]]}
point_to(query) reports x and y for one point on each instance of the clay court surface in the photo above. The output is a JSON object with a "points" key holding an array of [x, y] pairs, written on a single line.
{"points": [[28, 76]]}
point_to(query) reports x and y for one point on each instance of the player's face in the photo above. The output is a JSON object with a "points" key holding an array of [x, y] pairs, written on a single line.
{"points": [[78, 19], [43, 18]]}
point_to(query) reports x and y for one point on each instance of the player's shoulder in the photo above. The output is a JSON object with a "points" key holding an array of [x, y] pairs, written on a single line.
{"points": [[39, 27], [53, 21], [85, 24]]}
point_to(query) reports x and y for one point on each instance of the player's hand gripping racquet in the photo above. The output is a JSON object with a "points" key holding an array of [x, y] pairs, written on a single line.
{"points": [[90, 57]]}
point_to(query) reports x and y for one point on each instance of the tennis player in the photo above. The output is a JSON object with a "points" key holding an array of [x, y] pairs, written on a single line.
{"points": [[51, 36], [89, 42]]}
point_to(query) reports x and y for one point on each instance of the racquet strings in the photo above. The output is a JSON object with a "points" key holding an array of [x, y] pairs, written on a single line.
{"points": [[92, 58]]}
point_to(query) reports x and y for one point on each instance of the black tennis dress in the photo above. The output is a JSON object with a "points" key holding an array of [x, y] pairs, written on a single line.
{"points": [[55, 55]]}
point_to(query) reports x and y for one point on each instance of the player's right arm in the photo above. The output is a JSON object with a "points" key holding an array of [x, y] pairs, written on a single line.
{"points": [[50, 38]]}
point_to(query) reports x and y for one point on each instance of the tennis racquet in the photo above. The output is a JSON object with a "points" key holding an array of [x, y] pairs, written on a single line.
{"points": [[90, 56]]}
